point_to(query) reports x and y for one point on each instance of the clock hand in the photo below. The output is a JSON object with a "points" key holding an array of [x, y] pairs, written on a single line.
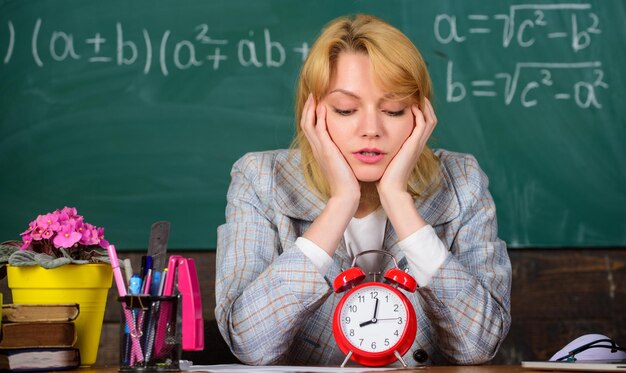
{"points": [[366, 323], [373, 320], [375, 311], [393, 318]]}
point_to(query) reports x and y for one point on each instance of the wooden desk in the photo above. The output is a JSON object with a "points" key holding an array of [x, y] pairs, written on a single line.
{"points": [[430, 369]]}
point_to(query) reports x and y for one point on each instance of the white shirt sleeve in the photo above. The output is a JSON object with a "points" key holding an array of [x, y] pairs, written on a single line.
{"points": [[425, 253], [316, 254]]}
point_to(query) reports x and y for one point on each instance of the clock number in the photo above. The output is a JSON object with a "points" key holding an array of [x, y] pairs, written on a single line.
{"points": [[360, 342], [387, 298], [395, 308], [353, 308], [361, 298], [374, 294], [386, 341], [396, 333], [399, 320], [373, 345], [347, 319], [351, 333]]}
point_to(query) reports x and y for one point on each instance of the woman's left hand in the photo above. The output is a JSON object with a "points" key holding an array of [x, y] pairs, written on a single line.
{"points": [[396, 177], [392, 186]]}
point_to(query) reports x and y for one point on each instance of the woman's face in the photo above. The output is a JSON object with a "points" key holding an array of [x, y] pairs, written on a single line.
{"points": [[364, 122]]}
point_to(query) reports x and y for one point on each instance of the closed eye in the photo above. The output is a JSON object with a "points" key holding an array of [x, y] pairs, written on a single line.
{"points": [[394, 113], [342, 112]]}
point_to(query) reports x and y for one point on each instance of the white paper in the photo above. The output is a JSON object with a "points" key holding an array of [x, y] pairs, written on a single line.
{"points": [[277, 369]]}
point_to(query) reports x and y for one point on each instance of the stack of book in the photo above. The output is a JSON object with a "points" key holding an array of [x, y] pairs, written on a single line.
{"points": [[38, 337]]}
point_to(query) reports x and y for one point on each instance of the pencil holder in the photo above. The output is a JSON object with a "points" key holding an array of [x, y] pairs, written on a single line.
{"points": [[150, 333]]}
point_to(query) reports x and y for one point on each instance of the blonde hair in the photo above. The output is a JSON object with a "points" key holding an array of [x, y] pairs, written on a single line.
{"points": [[396, 64]]}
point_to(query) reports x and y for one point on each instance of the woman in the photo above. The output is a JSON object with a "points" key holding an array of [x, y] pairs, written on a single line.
{"points": [[360, 177]]}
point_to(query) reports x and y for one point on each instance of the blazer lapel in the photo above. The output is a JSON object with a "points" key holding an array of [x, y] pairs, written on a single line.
{"points": [[341, 261], [291, 194], [390, 245], [441, 206], [294, 199]]}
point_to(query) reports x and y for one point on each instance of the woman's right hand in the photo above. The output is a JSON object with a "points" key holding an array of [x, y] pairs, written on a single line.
{"points": [[340, 177], [327, 229]]}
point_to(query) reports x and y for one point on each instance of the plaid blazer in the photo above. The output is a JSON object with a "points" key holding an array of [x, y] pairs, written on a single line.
{"points": [[274, 307]]}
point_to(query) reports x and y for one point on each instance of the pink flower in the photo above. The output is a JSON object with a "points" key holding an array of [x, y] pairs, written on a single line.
{"points": [[78, 225], [69, 211], [47, 233], [66, 238], [89, 235], [36, 234], [63, 218], [48, 221], [64, 228], [103, 243], [31, 226], [41, 221], [27, 239]]}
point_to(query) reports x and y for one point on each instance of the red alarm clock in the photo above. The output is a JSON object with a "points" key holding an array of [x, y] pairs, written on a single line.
{"points": [[374, 323]]}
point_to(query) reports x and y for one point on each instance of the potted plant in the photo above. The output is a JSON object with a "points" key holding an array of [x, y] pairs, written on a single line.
{"points": [[63, 259]]}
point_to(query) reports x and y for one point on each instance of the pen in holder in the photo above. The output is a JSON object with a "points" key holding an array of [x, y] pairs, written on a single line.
{"points": [[142, 316]]}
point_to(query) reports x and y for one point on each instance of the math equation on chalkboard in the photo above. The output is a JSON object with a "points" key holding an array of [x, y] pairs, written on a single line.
{"points": [[521, 27], [202, 50], [570, 27]]}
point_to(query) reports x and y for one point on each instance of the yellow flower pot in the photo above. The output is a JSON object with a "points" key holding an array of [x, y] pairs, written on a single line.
{"points": [[85, 284]]}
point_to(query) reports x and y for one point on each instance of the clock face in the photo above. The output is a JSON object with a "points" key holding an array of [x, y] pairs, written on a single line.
{"points": [[373, 318]]}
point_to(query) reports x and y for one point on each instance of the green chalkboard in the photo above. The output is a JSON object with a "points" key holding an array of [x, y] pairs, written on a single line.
{"points": [[134, 111]]}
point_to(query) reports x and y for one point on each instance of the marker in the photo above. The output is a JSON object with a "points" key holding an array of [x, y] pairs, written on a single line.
{"points": [[117, 273], [121, 287], [135, 330], [153, 316], [135, 284], [147, 282], [148, 264], [156, 281], [162, 283]]}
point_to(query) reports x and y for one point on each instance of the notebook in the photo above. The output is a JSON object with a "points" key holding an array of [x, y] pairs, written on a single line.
{"points": [[578, 366]]}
